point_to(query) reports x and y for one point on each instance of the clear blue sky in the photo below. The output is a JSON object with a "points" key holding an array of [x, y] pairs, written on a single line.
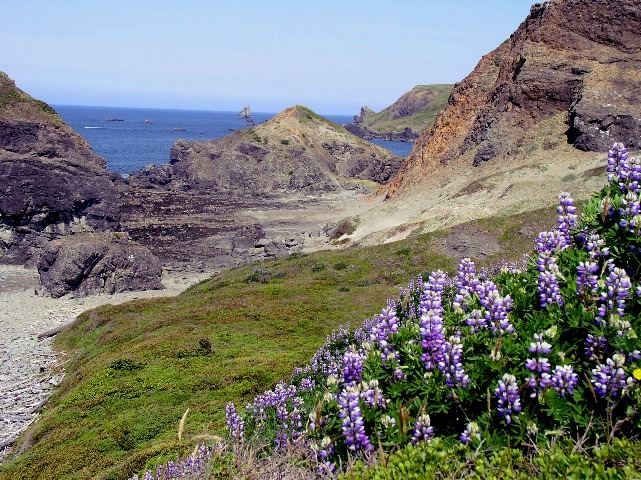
{"points": [[332, 55]]}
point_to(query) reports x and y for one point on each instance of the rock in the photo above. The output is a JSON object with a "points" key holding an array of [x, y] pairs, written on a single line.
{"points": [[575, 59], [296, 151], [248, 237], [88, 264], [403, 120], [53, 184]]}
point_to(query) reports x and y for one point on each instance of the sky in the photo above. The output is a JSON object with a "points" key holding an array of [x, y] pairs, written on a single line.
{"points": [[333, 56]]}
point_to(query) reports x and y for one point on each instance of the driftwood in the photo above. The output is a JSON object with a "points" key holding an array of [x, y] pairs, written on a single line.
{"points": [[51, 333]]}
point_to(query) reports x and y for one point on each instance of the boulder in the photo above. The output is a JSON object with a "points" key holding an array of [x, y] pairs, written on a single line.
{"points": [[94, 263]]}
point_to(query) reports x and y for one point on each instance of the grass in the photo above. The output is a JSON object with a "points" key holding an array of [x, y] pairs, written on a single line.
{"points": [[136, 368]]}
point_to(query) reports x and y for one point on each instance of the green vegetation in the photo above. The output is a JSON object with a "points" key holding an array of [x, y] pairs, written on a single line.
{"points": [[382, 122], [11, 96], [135, 368], [536, 368]]}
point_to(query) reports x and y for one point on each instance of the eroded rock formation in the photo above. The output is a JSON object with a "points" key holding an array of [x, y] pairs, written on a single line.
{"points": [[53, 184]]}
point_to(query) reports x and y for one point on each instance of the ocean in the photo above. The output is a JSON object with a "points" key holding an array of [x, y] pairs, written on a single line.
{"points": [[132, 138]]}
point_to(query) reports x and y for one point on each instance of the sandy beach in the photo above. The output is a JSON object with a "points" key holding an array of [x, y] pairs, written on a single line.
{"points": [[29, 369]]}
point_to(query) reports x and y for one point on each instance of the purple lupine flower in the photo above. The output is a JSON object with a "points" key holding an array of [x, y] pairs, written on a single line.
{"points": [[617, 289], [609, 379], [587, 282], [431, 320], [629, 212], [352, 366], [373, 395], [466, 284], [307, 384], [618, 165], [270, 399], [433, 339], [634, 355], [470, 433], [290, 424], [596, 347], [353, 425], [170, 471], [423, 431], [496, 308], [476, 320], [595, 246], [548, 288], [383, 326], [540, 366], [507, 393], [634, 180], [563, 380], [567, 218], [451, 365], [550, 243], [235, 423]]}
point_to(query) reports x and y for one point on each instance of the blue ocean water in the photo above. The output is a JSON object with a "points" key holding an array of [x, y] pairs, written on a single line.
{"points": [[132, 138]]}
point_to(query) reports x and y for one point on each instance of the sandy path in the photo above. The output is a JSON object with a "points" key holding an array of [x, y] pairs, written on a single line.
{"points": [[28, 367]]}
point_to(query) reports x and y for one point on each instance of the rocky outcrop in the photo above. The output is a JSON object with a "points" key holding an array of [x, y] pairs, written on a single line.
{"points": [[577, 58], [53, 184], [296, 151], [89, 264], [403, 120]]}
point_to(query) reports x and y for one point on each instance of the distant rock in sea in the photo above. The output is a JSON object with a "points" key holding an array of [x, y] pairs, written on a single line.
{"points": [[245, 113]]}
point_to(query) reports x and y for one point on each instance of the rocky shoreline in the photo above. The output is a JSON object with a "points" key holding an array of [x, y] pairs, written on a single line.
{"points": [[29, 367]]}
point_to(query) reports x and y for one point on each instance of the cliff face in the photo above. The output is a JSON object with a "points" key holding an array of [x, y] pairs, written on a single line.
{"points": [[579, 58], [296, 151], [52, 182]]}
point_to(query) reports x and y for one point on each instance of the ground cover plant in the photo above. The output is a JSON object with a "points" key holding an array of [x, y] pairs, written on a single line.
{"points": [[535, 365], [134, 369]]}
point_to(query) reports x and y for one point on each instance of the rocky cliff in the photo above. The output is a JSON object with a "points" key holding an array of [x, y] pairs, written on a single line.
{"points": [[296, 151], [52, 182], [575, 59], [403, 120]]}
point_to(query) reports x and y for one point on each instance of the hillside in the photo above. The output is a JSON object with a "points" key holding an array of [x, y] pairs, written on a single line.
{"points": [[526, 123], [296, 151], [135, 368], [570, 70], [406, 118]]}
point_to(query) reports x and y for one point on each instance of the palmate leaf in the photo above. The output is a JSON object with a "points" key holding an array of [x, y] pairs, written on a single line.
{"points": [[557, 407]]}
